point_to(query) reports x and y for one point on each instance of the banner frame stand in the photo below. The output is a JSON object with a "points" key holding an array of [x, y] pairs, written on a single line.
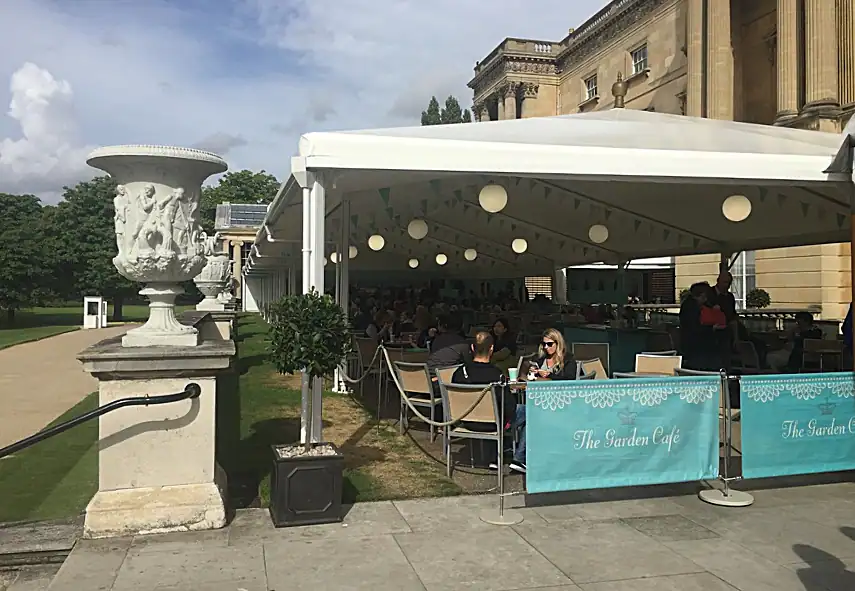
{"points": [[727, 497], [501, 516]]}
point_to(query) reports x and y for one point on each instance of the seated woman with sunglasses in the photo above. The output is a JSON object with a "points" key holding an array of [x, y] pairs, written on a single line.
{"points": [[554, 361]]}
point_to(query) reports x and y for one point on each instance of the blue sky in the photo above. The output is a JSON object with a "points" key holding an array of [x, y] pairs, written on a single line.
{"points": [[243, 78]]}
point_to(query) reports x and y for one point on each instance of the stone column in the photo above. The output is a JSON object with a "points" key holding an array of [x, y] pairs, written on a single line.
{"points": [[510, 99], [529, 94], [788, 61], [820, 55], [237, 268], [846, 25], [500, 103], [719, 61], [695, 58]]}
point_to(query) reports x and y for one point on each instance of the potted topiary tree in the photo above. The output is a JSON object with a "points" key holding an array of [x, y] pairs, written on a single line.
{"points": [[308, 332], [757, 298]]}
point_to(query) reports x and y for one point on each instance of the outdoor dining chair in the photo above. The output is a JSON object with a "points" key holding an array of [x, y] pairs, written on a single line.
{"points": [[592, 351], [415, 382], [456, 400], [657, 364], [593, 367], [444, 373]]}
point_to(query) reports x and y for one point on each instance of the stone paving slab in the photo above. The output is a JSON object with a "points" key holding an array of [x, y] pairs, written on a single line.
{"points": [[791, 540], [44, 542]]}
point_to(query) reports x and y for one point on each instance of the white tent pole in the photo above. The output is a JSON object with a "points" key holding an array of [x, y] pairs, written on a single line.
{"points": [[305, 407], [338, 381], [318, 218]]}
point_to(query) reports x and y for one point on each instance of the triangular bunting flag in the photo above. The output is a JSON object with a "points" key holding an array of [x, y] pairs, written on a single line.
{"points": [[763, 192], [841, 219], [458, 194], [666, 234], [424, 206], [537, 235], [384, 195], [562, 244], [805, 208], [546, 192], [576, 203], [435, 186], [585, 251], [637, 225], [608, 214], [518, 181], [696, 242], [513, 227]]}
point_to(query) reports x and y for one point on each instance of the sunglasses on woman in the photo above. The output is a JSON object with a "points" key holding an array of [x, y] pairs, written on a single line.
{"points": [[547, 344]]}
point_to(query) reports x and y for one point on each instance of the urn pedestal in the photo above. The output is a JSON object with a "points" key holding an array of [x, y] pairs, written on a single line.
{"points": [[158, 235], [212, 282]]}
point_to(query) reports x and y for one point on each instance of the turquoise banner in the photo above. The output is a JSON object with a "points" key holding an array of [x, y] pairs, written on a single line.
{"points": [[626, 432], [797, 424]]}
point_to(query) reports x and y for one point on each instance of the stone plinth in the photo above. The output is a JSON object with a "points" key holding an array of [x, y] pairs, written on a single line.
{"points": [[157, 468]]}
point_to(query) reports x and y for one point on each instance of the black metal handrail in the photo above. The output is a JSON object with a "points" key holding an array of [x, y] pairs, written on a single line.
{"points": [[191, 390]]}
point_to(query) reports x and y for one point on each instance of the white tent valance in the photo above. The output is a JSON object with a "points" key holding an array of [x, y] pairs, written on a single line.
{"points": [[656, 181]]}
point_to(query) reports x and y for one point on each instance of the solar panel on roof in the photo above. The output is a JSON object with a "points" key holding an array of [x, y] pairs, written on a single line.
{"points": [[240, 215]]}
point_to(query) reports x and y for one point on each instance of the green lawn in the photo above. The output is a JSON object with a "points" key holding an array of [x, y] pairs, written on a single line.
{"points": [[55, 478], [39, 323], [255, 409]]}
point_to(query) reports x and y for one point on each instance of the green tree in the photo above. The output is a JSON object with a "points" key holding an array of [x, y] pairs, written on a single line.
{"points": [[243, 186], [450, 113], [83, 237], [24, 270], [432, 116]]}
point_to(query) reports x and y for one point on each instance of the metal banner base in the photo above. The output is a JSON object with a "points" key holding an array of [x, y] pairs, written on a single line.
{"points": [[506, 517], [730, 498]]}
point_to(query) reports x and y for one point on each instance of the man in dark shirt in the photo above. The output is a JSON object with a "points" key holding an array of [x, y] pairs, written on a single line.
{"points": [[723, 298], [481, 371], [449, 347]]}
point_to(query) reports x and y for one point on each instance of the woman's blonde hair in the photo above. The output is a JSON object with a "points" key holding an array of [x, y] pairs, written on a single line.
{"points": [[560, 346]]}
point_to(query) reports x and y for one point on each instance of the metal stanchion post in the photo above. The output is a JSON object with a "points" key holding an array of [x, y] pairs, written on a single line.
{"points": [[727, 497], [510, 517]]}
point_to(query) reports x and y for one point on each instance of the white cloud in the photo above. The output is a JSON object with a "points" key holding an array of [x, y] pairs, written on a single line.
{"points": [[246, 78], [47, 154]]}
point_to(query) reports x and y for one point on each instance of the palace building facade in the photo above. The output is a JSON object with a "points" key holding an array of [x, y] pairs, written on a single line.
{"points": [[773, 62]]}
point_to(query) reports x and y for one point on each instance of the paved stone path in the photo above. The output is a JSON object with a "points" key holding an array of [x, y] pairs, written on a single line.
{"points": [[792, 539], [41, 380]]}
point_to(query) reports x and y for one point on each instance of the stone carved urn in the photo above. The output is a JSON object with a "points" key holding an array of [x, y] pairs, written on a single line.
{"points": [[157, 228], [213, 279]]}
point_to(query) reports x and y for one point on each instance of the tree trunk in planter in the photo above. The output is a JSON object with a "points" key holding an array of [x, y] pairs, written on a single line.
{"points": [[306, 489]]}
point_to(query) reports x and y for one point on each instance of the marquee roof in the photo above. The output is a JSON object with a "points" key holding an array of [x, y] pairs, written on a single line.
{"points": [[656, 181]]}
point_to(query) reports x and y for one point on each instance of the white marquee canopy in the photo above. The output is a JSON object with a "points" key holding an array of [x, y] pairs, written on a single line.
{"points": [[657, 183]]}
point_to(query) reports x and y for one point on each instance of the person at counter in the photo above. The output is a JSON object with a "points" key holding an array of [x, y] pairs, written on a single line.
{"points": [[554, 361], [699, 341]]}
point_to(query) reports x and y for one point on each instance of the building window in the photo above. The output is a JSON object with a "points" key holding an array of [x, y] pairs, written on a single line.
{"points": [[539, 286], [591, 87], [744, 277], [639, 59]]}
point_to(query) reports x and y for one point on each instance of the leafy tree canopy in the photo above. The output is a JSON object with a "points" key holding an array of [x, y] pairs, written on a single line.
{"points": [[23, 268], [243, 186], [81, 231], [450, 113]]}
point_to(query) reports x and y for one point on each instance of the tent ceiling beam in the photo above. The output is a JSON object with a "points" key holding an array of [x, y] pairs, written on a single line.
{"points": [[483, 239], [624, 210]]}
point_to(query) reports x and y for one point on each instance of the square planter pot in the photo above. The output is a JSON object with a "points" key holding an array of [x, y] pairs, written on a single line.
{"points": [[306, 489]]}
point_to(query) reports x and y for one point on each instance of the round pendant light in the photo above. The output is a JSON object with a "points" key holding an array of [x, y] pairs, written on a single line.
{"points": [[325, 261], [441, 259], [519, 245], [376, 242], [736, 208], [352, 252], [413, 263], [493, 198], [417, 229], [470, 254], [334, 257], [598, 233]]}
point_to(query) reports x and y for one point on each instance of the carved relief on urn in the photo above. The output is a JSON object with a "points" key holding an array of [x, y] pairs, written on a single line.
{"points": [[159, 239]]}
